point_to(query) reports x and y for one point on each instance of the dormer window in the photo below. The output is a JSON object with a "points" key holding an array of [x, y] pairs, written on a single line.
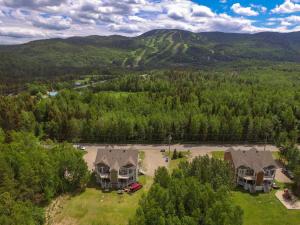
{"points": [[103, 168]]}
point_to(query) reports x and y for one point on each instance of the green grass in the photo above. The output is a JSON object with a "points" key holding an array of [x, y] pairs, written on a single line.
{"points": [[142, 155], [173, 163], [276, 155], [265, 209], [218, 154], [93, 207]]}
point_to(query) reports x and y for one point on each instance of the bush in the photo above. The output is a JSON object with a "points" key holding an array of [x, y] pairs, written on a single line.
{"points": [[175, 155]]}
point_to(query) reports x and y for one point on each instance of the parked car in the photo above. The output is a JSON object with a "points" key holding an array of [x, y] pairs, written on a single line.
{"points": [[275, 186], [288, 173], [135, 186], [163, 150], [81, 147]]}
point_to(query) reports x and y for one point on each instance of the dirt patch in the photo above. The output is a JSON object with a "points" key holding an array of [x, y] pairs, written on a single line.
{"points": [[54, 209]]}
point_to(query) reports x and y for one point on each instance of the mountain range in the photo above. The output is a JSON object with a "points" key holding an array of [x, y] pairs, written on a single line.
{"points": [[153, 49]]}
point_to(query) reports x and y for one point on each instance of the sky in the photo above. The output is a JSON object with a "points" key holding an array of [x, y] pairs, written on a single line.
{"points": [[25, 20]]}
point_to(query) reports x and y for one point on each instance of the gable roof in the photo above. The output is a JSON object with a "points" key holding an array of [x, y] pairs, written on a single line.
{"points": [[254, 159], [116, 158]]}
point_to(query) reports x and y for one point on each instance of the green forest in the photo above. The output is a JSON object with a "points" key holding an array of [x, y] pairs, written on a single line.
{"points": [[32, 173], [255, 104]]}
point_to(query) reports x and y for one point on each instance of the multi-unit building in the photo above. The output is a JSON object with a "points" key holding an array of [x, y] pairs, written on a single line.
{"points": [[253, 169], [116, 168]]}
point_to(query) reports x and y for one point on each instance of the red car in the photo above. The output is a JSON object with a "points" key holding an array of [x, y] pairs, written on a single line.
{"points": [[135, 186]]}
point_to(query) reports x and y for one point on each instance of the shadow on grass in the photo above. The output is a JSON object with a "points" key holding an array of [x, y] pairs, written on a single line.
{"points": [[257, 193]]}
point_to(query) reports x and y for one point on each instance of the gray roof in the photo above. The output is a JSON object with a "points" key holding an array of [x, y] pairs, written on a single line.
{"points": [[254, 159], [116, 158]]}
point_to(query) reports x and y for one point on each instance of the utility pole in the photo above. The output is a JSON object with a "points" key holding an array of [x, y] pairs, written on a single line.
{"points": [[169, 139], [266, 139]]}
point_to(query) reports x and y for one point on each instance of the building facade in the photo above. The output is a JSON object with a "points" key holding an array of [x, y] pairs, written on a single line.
{"points": [[254, 170], [116, 168]]}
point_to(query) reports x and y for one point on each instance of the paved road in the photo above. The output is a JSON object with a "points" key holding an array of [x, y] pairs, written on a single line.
{"points": [[185, 147]]}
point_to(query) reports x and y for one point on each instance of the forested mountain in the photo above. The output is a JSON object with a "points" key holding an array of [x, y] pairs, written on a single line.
{"points": [[154, 49]]}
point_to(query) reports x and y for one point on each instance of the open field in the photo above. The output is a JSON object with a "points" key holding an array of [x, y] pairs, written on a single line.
{"points": [[93, 207]]}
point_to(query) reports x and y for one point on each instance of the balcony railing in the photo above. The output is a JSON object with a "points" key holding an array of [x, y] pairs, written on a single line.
{"points": [[104, 175]]}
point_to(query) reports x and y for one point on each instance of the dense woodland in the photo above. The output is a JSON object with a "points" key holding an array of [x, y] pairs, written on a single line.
{"points": [[198, 193], [32, 174], [251, 105]]}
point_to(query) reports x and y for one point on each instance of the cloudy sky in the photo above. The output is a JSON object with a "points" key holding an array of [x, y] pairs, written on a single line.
{"points": [[25, 20]]}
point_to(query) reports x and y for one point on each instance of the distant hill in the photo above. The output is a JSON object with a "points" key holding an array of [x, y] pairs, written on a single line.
{"points": [[154, 49]]}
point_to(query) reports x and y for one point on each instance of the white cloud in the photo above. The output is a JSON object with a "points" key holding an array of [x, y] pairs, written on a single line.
{"points": [[287, 21], [32, 3], [124, 28], [243, 11], [52, 23], [202, 11], [288, 6], [20, 32]]}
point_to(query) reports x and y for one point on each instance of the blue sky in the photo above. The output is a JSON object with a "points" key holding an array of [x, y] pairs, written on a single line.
{"points": [[26, 20]]}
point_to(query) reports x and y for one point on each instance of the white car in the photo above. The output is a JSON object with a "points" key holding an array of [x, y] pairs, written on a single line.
{"points": [[81, 147]]}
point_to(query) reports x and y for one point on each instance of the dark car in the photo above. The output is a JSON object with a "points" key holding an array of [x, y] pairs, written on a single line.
{"points": [[163, 150]]}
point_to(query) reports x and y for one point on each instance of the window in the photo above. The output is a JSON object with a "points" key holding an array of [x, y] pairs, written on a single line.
{"points": [[103, 169], [269, 172], [123, 171]]}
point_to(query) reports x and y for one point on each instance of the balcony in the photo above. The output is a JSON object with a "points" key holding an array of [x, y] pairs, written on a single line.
{"points": [[125, 175], [104, 175]]}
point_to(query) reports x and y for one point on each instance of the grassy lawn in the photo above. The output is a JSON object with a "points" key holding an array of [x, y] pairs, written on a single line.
{"points": [[218, 154], [173, 163], [265, 209], [93, 207]]}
